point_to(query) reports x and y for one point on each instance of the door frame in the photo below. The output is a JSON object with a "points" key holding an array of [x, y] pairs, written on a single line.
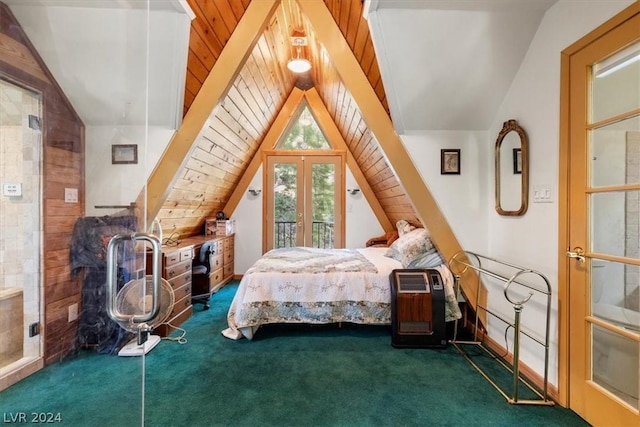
{"points": [[566, 329], [267, 200]]}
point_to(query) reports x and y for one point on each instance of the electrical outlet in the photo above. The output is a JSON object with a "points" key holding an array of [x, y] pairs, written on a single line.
{"points": [[34, 329], [73, 312]]}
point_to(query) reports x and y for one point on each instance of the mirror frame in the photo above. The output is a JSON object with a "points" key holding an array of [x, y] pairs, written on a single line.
{"points": [[512, 126]]}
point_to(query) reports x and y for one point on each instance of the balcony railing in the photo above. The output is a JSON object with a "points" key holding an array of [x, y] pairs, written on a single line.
{"points": [[321, 234]]}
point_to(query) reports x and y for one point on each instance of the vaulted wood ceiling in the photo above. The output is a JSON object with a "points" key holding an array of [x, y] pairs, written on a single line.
{"points": [[214, 167], [237, 86]]}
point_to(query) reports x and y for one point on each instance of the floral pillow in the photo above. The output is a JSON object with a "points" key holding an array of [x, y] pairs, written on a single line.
{"points": [[411, 246]]}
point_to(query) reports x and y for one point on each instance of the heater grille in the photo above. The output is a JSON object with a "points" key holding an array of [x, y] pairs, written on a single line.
{"points": [[415, 327], [413, 282]]}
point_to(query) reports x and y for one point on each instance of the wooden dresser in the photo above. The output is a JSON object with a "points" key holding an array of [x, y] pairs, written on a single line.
{"points": [[176, 269], [177, 262], [221, 261]]}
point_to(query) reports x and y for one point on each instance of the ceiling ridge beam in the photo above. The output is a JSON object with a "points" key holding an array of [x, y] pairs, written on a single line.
{"points": [[378, 121], [213, 90], [330, 128]]}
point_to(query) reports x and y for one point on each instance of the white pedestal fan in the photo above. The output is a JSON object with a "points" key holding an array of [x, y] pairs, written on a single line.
{"points": [[135, 298], [142, 304]]}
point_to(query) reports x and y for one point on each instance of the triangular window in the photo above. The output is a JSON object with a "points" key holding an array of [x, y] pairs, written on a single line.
{"points": [[304, 133]]}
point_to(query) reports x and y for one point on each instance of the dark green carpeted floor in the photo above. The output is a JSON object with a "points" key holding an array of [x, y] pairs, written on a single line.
{"points": [[286, 376]]}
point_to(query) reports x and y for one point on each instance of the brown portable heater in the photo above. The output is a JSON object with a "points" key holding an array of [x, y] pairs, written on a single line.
{"points": [[417, 309]]}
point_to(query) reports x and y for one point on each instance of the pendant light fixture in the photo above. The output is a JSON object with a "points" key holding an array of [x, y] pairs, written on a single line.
{"points": [[299, 64]]}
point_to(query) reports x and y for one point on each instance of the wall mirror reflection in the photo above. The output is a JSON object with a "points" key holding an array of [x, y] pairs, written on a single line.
{"points": [[512, 170]]}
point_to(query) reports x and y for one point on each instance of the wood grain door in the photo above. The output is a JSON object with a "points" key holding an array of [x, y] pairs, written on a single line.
{"points": [[603, 224]]}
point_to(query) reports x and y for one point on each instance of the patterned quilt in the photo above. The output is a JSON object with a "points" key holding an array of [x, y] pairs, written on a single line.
{"points": [[319, 286]]}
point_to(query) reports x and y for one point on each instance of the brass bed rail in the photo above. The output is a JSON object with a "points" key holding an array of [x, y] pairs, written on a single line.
{"points": [[512, 276]]}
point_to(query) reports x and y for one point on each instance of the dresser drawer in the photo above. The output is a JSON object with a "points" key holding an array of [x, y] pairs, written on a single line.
{"points": [[228, 270], [228, 257], [180, 280], [215, 278], [216, 262], [186, 254], [181, 304], [182, 292], [171, 258], [177, 269]]}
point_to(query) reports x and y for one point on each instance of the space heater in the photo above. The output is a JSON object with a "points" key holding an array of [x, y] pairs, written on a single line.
{"points": [[417, 309]]}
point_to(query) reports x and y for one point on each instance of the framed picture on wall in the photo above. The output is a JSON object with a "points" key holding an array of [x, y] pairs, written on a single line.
{"points": [[517, 161], [123, 154], [450, 161]]}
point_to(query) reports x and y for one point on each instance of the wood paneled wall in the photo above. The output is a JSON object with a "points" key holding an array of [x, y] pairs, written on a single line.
{"points": [[63, 167]]}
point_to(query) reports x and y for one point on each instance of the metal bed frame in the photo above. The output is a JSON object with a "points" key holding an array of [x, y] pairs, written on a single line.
{"points": [[462, 260]]}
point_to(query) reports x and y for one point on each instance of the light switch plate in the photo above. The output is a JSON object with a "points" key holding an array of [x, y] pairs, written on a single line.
{"points": [[542, 194], [71, 195], [12, 190]]}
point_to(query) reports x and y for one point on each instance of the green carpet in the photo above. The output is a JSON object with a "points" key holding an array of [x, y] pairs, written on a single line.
{"points": [[287, 376]]}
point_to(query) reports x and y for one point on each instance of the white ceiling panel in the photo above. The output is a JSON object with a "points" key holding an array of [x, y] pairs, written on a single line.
{"points": [[448, 65]]}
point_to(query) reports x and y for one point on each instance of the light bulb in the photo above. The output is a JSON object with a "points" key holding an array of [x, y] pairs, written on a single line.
{"points": [[299, 65]]}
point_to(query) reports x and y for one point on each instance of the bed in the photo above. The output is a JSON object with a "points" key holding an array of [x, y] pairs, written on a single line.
{"points": [[323, 286]]}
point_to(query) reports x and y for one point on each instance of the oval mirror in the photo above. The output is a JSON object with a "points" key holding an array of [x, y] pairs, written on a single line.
{"points": [[512, 170]]}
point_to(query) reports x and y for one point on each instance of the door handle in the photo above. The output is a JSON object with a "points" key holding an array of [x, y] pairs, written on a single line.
{"points": [[111, 282], [577, 253]]}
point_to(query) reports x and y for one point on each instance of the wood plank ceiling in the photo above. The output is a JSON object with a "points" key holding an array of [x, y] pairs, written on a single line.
{"points": [[237, 126]]}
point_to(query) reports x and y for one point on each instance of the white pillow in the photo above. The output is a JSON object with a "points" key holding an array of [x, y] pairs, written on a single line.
{"points": [[410, 246]]}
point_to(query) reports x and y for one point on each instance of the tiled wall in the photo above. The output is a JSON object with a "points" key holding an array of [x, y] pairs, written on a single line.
{"points": [[20, 225]]}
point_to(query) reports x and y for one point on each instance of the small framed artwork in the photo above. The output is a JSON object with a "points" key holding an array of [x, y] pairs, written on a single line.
{"points": [[450, 161], [517, 161], [124, 154]]}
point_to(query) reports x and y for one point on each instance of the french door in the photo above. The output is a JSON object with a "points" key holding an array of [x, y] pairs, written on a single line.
{"points": [[603, 224], [304, 199]]}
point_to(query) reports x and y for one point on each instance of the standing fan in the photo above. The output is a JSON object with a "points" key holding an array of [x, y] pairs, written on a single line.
{"points": [[141, 304], [135, 299]]}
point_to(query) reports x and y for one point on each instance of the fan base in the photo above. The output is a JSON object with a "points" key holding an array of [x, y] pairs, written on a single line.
{"points": [[133, 349]]}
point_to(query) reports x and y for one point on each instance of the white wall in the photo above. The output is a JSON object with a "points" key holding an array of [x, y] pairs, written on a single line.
{"points": [[461, 198], [534, 100], [120, 184]]}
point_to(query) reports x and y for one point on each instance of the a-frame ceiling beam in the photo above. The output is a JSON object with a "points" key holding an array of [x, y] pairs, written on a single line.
{"points": [[330, 129], [376, 118], [328, 126], [215, 87], [285, 115]]}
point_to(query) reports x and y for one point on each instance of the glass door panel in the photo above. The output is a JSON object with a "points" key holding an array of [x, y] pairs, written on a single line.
{"points": [[614, 217], [286, 208], [611, 351], [303, 203], [81, 125], [20, 228], [604, 217], [322, 175], [616, 84]]}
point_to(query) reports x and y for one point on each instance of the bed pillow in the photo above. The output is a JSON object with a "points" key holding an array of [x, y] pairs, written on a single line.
{"points": [[430, 260], [404, 227], [410, 246]]}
